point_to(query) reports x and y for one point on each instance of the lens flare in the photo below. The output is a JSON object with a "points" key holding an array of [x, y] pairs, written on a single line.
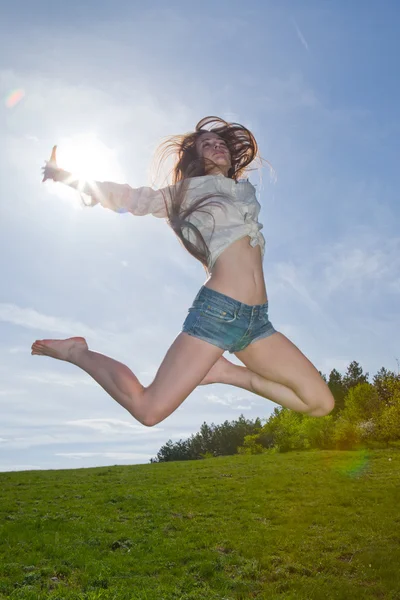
{"points": [[350, 464], [14, 97]]}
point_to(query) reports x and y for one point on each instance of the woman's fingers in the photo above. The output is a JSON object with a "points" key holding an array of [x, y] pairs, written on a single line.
{"points": [[53, 157], [50, 166], [49, 171]]}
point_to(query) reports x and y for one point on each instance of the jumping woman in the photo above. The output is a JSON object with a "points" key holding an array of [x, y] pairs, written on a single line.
{"points": [[230, 311]]}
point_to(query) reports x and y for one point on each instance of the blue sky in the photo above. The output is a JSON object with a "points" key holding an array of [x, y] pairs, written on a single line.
{"points": [[317, 84]]}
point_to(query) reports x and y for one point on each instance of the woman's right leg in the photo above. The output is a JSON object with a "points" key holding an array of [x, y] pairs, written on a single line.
{"points": [[185, 365]]}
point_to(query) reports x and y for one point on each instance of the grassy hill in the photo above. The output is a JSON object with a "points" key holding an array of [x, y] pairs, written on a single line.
{"points": [[304, 525]]}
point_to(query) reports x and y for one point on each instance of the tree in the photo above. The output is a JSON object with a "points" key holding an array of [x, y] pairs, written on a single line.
{"points": [[388, 428], [335, 384], [354, 375], [383, 381], [361, 403], [211, 440], [388, 425]]}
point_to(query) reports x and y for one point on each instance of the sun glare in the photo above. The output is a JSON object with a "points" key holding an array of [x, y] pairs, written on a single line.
{"points": [[87, 158]]}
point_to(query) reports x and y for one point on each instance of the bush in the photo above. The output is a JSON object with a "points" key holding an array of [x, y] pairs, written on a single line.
{"points": [[388, 425], [346, 435], [318, 431], [251, 445]]}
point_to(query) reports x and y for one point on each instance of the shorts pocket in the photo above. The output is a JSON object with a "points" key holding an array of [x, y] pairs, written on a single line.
{"points": [[192, 318], [215, 312], [263, 314]]}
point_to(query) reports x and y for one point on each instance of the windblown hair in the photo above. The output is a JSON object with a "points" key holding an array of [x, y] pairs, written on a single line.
{"points": [[243, 150]]}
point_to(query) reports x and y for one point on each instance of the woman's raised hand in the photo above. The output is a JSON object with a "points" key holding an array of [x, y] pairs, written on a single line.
{"points": [[52, 171], [51, 167]]}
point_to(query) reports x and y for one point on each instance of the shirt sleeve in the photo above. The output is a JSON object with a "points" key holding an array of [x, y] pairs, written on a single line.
{"points": [[121, 197]]}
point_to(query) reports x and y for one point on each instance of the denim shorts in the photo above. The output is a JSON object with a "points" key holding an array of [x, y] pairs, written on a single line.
{"points": [[226, 322]]}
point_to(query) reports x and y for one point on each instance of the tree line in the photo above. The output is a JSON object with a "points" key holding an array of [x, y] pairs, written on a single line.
{"points": [[366, 415]]}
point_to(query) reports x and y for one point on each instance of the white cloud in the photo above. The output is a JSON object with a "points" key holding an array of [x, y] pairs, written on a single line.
{"points": [[18, 350], [13, 392], [116, 455], [181, 435], [109, 426], [32, 319], [59, 436], [300, 35], [213, 399], [58, 379], [16, 467], [366, 262]]}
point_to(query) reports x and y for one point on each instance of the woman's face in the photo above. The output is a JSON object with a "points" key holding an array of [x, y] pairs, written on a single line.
{"points": [[212, 147]]}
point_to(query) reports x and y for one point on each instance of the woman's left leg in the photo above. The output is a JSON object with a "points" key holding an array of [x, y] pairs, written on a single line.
{"points": [[277, 370]]}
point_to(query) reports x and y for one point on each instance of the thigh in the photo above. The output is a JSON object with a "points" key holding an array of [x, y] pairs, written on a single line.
{"points": [[277, 359], [185, 365]]}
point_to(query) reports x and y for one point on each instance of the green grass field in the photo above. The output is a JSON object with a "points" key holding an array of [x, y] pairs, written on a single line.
{"points": [[304, 525]]}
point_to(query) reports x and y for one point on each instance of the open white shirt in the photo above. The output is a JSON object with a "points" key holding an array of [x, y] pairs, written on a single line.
{"points": [[238, 220]]}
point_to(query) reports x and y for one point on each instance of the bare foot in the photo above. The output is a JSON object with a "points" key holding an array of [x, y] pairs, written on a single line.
{"points": [[218, 372], [60, 349]]}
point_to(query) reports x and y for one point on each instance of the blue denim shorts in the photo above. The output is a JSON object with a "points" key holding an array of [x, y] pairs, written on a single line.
{"points": [[226, 322]]}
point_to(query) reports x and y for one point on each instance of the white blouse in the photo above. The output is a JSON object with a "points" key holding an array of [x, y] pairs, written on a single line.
{"points": [[240, 220]]}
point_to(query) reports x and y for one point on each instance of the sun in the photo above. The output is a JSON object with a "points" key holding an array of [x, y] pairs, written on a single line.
{"points": [[87, 158]]}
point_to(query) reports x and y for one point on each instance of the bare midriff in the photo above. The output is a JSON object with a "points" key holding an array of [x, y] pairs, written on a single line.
{"points": [[238, 273]]}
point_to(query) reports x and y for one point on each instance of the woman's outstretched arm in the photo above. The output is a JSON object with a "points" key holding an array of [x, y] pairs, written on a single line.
{"points": [[119, 197]]}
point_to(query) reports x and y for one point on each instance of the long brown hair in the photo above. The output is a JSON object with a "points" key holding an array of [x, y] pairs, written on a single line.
{"points": [[243, 149]]}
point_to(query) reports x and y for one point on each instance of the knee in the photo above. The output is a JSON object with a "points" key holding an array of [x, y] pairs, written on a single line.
{"points": [[322, 409], [149, 417], [144, 410], [148, 420]]}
